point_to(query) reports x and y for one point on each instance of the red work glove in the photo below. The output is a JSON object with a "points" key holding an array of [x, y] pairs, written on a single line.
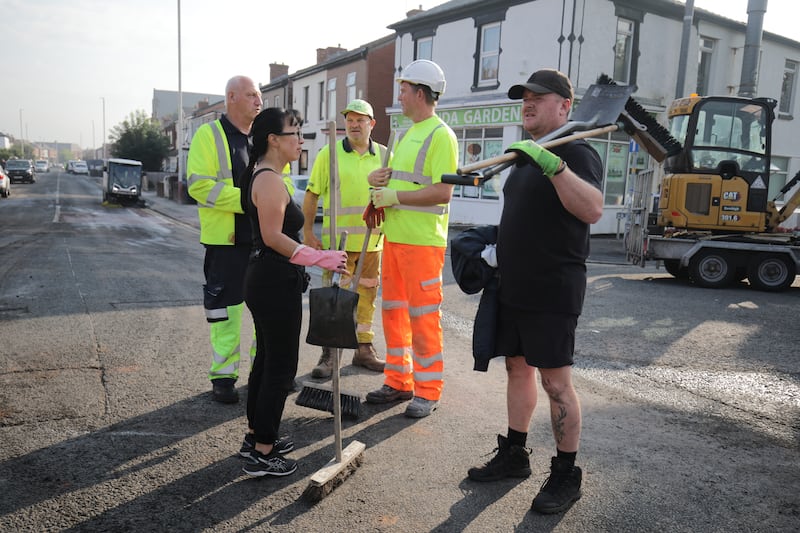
{"points": [[373, 216]]}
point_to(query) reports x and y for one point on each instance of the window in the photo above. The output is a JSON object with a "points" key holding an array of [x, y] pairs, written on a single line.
{"points": [[332, 99], [706, 49], [621, 165], [277, 101], [351, 87], [489, 57], [476, 144], [623, 50], [322, 100], [424, 48], [786, 103]]}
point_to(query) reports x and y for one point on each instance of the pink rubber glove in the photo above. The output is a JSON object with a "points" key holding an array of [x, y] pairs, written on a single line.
{"points": [[334, 260]]}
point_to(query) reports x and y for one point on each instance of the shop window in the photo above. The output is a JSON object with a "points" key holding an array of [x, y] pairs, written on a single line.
{"points": [[621, 159], [477, 144]]}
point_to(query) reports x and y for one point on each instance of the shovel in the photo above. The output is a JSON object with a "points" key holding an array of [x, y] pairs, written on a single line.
{"points": [[599, 113], [332, 313]]}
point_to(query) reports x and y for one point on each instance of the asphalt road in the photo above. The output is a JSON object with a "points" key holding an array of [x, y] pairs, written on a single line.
{"points": [[690, 397]]}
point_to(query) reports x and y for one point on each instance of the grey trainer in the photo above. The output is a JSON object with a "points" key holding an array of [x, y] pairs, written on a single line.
{"points": [[420, 407]]}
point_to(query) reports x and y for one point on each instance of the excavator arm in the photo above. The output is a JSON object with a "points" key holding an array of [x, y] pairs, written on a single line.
{"points": [[776, 217]]}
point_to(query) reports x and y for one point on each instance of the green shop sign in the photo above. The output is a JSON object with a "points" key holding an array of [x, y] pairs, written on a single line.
{"points": [[501, 115]]}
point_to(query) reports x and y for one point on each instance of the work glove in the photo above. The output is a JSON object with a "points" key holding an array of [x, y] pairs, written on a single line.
{"points": [[383, 197], [535, 154], [334, 260], [373, 216]]}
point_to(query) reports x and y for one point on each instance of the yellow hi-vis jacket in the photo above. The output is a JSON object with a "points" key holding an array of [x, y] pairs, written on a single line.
{"points": [[210, 182], [353, 193]]}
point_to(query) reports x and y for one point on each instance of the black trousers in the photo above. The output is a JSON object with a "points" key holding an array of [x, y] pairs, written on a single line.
{"points": [[273, 292]]}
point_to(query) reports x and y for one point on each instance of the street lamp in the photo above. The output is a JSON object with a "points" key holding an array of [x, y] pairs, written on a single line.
{"points": [[21, 136], [103, 98]]}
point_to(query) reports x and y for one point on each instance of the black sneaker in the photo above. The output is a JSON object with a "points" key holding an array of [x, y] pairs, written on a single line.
{"points": [[281, 446], [271, 464], [510, 461], [560, 490], [223, 390]]}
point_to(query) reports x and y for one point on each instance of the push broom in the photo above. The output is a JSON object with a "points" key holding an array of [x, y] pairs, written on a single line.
{"points": [[332, 321], [345, 461]]}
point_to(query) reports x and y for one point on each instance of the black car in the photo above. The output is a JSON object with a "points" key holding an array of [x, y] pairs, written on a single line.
{"points": [[20, 170]]}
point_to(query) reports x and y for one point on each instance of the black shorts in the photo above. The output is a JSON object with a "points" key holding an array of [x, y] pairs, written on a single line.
{"points": [[547, 340], [224, 269]]}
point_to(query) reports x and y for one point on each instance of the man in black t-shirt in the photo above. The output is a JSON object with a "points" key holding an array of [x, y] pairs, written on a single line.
{"points": [[550, 199]]}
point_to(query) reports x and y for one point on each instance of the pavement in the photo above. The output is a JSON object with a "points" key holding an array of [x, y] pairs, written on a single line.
{"points": [[604, 248]]}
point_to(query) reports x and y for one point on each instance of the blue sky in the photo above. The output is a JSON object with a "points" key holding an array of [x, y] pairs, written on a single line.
{"points": [[62, 58]]}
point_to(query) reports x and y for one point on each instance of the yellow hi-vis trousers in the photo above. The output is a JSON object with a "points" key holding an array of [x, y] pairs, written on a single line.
{"points": [[224, 337], [411, 312], [367, 289]]}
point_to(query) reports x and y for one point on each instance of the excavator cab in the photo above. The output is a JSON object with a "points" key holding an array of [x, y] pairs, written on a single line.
{"points": [[719, 180]]}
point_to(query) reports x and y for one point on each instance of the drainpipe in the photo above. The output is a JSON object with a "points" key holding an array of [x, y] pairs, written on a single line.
{"points": [[688, 16], [752, 47]]}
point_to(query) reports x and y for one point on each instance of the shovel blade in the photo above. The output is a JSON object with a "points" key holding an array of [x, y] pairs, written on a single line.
{"points": [[332, 317], [602, 104]]}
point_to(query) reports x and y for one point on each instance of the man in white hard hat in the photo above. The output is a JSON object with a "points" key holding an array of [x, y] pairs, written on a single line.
{"points": [[356, 156], [416, 207]]}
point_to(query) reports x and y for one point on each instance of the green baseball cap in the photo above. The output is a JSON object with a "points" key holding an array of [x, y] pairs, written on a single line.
{"points": [[359, 106]]}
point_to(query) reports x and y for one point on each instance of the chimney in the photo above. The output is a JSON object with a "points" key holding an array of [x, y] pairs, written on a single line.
{"points": [[324, 54], [414, 12], [276, 70]]}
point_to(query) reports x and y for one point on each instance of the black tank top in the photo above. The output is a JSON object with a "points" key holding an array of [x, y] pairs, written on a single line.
{"points": [[293, 218]]}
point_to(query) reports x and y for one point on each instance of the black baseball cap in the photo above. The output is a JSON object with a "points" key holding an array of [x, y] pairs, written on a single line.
{"points": [[546, 80]]}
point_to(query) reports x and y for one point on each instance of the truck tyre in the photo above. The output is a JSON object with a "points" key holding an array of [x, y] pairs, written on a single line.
{"points": [[771, 272], [711, 268], [673, 267]]}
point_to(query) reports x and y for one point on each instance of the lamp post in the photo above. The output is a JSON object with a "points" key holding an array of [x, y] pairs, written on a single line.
{"points": [[21, 136], [103, 98]]}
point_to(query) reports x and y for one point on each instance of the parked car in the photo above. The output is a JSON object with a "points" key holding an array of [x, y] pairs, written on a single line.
{"points": [[300, 183], [41, 165], [21, 170], [5, 184], [80, 167]]}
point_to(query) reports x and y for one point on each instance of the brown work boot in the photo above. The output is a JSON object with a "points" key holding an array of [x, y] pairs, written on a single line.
{"points": [[367, 357], [324, 367]]}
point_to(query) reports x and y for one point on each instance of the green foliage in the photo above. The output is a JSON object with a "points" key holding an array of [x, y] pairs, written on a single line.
{"points": [[15, 152], [140, 138]]}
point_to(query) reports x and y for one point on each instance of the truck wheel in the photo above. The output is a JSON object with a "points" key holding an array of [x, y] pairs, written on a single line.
{"points": [[673, 267], [771, 272], [712, 269]]}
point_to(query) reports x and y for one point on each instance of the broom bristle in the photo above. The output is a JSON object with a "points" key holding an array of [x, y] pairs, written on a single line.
{"points": [[319, 396], [646, 130], [314, 492]]}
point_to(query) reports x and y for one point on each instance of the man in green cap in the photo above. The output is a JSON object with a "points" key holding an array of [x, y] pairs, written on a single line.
{"points": [[357, 155]]}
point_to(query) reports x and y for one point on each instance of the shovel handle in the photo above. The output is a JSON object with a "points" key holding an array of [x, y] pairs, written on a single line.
{"points": [[511, 156], [337, 276]]}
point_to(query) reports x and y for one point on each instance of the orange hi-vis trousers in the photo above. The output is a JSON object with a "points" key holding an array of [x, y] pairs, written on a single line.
{"points": [[411, 312]]}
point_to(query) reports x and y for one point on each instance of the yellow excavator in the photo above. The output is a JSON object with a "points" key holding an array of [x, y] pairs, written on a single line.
{"points": [[716, 223]]}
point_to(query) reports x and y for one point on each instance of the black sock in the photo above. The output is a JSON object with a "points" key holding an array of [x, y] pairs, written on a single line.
{"points": [[569, 457], [517, 438]]}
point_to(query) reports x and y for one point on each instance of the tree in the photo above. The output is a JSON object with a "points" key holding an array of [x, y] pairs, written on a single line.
{"points": [[140, 138]]}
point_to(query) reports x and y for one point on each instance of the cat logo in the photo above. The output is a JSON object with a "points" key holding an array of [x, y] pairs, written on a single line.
{"points": [[733, 196]]}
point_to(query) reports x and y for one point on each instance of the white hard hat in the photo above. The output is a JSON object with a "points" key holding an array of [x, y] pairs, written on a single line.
{"points": [[424, 72]]}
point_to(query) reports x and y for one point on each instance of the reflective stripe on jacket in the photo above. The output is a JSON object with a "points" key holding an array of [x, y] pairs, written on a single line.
{"points": [[210, 182], [426, 151]]}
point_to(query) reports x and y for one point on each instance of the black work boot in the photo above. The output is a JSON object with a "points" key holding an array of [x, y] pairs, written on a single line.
{"points": [[510, 461], [223, 391], [560, 490], [324, 367]]}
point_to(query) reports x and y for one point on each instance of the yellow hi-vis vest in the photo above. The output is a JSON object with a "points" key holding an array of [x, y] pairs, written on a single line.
{"points": [[210, 182], [352, 196], [426, 151]]}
